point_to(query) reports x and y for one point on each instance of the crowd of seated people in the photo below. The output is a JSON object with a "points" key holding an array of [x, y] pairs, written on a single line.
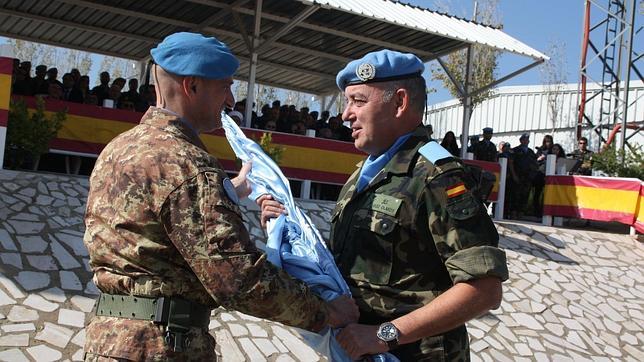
{"points": [[75, 87], [287, 119]]}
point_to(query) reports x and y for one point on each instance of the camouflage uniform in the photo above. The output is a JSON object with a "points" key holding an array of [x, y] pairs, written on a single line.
{"points": [[402, 241], [586, 167], [485, 151], [159, 223]]}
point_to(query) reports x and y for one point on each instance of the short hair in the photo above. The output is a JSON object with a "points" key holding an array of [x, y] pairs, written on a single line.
{"points": [[584, 139], [416, 88]]}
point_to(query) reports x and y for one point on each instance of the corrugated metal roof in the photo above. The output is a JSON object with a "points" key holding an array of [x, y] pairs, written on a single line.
{"points": [[424, 20], [305, 58]]}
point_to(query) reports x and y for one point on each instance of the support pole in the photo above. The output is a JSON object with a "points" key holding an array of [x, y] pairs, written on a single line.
{"points": [[551, 164], [629, 57], [305, 190], [467, 98], [500, 199], [250, 94], [467, 102]]}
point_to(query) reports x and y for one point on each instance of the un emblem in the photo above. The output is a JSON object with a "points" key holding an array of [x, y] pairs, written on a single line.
{"points": [[366, 71]]}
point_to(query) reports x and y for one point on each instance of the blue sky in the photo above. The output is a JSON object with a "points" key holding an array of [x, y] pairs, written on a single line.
{"points": [[534, 22]]}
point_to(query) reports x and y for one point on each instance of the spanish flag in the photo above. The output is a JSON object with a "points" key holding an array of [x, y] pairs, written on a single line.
{"points": [[456, 190]]}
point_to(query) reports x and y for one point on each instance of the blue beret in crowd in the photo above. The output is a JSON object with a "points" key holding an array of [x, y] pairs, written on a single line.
{"points": [[488, 130], [380, 66], [524, 135], [192, 54]]}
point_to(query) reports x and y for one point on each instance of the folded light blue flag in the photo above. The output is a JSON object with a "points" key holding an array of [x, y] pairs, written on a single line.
{"points": [[294, 243]]}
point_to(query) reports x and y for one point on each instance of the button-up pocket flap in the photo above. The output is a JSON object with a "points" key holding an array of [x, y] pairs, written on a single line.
{"points": [[379, 223], [463, 207]]}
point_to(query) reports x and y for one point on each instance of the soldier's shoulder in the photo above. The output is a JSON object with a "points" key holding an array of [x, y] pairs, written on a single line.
{"points": [[435, 161]]}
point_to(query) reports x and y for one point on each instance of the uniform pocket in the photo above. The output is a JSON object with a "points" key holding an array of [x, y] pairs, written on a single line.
{"points": [[463, 207], [375, 240]]}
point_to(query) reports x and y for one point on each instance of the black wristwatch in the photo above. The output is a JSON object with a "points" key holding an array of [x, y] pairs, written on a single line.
{"points": [[388, 333]]}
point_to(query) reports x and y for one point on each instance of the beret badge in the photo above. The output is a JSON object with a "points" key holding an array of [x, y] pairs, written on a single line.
{"points": [[366, 71]]}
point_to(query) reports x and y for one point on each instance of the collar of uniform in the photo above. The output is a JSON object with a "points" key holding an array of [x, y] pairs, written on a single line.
{"points": [[401, 161], [167, 120]]}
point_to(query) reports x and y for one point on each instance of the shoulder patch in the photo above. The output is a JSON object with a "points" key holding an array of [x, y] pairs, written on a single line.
{"points": [[434, 152]]}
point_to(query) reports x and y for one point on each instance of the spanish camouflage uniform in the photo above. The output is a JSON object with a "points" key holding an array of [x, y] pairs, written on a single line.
{"points": [[485, 151], [159, 223], [409, 236], [586, 167]]}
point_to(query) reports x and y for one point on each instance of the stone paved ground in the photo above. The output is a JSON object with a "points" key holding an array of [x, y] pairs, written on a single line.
{"points": [[572, 295]]}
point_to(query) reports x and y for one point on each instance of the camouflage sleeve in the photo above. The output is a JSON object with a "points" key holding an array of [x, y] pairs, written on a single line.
{"points": [[464, 234], [206, 227]]}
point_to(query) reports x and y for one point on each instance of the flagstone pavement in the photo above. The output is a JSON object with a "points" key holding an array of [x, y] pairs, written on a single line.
{"points": [[573, 295]]}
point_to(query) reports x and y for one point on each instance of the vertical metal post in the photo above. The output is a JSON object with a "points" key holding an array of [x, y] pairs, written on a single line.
{"points": [[500, 199], [467, 100], [250, 94], [629, 50], [305, 190], [5, 63], [467, 104], [551, 164]]}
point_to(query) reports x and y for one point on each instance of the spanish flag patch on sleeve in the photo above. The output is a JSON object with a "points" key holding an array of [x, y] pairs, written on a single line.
{"points": [[455, 190]]}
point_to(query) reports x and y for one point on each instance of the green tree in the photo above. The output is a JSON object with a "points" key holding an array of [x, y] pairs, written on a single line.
{"points": [[610, 162], [554, 76], [485, 59], [51, 56], [29, 132]]}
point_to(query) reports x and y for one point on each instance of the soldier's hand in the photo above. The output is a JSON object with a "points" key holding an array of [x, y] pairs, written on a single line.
{"points": [[342, 311], [270, 208], [359, 340], [242, 186]]}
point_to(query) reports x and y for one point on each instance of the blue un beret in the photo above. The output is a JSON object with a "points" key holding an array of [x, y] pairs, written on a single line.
{"points": [[192, 54], [380, 66]]}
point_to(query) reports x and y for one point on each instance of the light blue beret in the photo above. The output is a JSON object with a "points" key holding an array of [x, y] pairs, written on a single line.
{"points": [[192, 54], [380, 66]]}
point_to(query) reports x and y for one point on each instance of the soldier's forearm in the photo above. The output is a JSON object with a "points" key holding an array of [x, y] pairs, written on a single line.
{"points": [[459, 304]]}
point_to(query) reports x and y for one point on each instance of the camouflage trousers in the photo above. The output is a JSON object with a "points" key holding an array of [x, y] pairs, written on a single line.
{"points": [[450, 346]]}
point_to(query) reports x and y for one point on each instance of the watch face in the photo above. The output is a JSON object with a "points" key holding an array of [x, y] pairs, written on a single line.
{"points": [[387, 332]]}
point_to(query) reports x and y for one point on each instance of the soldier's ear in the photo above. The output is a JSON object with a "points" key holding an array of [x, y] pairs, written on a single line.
{"points": [[401, 101]]}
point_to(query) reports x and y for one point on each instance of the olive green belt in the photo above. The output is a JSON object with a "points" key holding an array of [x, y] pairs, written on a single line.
{"points": [[176, 314]]}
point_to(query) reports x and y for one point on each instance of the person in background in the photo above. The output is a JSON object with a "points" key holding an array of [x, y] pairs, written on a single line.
{"points": [[539, 180], [236, 116], [584, 155], [131, 98], [39, 84], [485, 150], [449, 143], [558, 150], [52, 76], [102, 91], [474, 140], [71, 92], [523, 172], [505, 150]]}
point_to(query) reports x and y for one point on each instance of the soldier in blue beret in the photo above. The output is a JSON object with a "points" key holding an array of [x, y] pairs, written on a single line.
{"points": [[165, 235], [485, 150], [409, 235]]}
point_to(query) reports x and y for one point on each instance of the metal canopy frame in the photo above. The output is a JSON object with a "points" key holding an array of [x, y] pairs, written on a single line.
{"points": [[292, 44]]}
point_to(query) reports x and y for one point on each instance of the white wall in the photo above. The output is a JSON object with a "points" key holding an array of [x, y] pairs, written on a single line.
{"points": [[517, 109]]}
